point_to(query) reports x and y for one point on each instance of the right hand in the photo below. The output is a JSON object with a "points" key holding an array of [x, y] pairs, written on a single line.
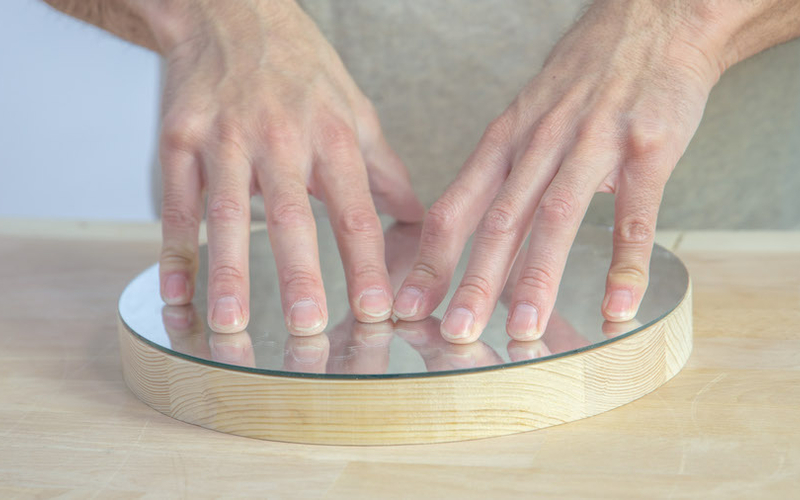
{"points": [[256, 100]]}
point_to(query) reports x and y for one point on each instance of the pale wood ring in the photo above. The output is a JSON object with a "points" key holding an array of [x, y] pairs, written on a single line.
{"points": [[406, 410]]}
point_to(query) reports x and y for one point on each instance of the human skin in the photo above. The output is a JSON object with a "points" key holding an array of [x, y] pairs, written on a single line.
{"points": [[612, 110], [256, 100]]}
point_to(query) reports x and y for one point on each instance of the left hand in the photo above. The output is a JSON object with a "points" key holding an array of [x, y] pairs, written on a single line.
{"points": [[613, 109]]}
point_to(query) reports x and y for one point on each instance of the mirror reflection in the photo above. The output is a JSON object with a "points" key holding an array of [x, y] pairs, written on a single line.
{"points": [[349, 348]]}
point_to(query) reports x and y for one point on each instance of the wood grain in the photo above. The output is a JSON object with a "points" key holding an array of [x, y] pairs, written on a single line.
{"points": [[410, 410]]}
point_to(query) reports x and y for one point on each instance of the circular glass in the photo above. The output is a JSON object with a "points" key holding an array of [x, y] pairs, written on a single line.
{"points": [[393, 348]]}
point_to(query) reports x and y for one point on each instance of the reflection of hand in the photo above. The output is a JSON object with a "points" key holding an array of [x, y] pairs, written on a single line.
{"points": [[186, 332], [256, 100], [612, 110], [440, 355]]}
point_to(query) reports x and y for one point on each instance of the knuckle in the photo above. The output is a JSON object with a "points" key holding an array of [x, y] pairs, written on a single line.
{"points": [[537, 278], [359, 220], [476, 285], [546, 131], [279, 131], [647, 139], [499, 222], [226, 273], [558, 208], [628, 272], [290, 211], [426, 270], [182, 131], [367, 271], [635, 231], [299, 278], [338, 136], [226, 210], [177, 257], [499, 130], [442, 217], [178, 216]]}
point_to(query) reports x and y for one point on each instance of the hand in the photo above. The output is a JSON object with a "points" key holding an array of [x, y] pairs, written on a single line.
{"points": [[256, 100], [613, 109]]}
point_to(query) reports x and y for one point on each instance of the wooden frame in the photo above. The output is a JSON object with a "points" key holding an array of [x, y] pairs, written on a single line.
{"points": [[429, 409]]}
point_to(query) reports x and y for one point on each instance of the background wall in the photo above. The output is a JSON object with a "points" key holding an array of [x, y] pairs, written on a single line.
{"points": [[78, 118]]}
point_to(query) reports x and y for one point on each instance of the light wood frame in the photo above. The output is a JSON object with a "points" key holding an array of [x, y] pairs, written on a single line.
{"points": [[425, 409]]}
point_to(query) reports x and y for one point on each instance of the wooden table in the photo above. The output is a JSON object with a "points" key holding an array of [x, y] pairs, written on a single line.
{"points": [[727, 426]]}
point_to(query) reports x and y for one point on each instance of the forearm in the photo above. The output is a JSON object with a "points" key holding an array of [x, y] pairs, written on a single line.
{"points": [[123, 18], [160, 25]]}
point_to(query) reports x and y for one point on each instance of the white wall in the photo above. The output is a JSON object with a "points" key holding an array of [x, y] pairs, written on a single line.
{"points": [[78, 118]]}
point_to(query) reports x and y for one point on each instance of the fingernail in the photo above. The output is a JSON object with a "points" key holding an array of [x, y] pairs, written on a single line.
{"points": [[306, 354], [176, 289], [620, 305], [457, 324], [408, 301], [523, 323], [227, 314], [305, 316], [375, 303]]}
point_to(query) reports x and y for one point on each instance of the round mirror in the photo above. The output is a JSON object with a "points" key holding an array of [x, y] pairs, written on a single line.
{"points": [[392, 349]]}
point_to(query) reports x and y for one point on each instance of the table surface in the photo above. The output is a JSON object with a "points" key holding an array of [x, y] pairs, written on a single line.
{"points": [[726, 426]]}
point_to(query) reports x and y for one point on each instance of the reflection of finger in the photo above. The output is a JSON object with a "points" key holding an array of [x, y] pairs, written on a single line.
{"points": [[232, 349], [306, 354], [524, 351], [356, 225], [367, 349], [555, 224], [613, 329], [560, 336], [635, 211], [450, 221], [440, 355], [186, 331]]}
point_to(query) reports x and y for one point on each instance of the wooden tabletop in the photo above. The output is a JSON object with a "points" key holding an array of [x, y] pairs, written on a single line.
{"points": [[727, 426]]}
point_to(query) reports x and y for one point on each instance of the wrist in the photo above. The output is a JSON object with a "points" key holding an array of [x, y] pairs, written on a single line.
{"points": [[175, 22], [693, 34]]}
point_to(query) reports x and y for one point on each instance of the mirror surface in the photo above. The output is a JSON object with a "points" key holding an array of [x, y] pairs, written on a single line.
{"points": [[348, 349]]}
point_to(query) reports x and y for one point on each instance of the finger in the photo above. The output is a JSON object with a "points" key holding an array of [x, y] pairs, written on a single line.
{"points": [[390, 184], [450, 221], [181, 212], [228, 216], [293, 238], [359, 235], [636, 205], [496, 244], [555, 224]]}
